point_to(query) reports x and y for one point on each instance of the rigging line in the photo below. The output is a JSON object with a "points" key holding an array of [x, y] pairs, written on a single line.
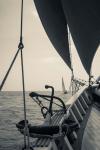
{"points": [[24, 101], [53, 102], [9, 69], [48, 101], [38, 102], [21, 46], [21, 25]]}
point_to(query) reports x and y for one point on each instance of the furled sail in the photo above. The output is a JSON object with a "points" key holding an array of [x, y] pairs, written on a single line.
{"points": [[55, 25], [83, 17]]}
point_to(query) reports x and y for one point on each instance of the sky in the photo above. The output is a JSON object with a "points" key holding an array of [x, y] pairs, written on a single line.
{"points": [[42, 64]]}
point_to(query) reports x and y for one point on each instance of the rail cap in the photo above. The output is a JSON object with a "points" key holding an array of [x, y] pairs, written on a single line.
{"points": [[76, 95]]}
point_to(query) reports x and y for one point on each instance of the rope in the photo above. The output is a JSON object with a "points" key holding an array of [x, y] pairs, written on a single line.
{"points": [[21, 46], [39, 102], [26, 141], [9, 69]]}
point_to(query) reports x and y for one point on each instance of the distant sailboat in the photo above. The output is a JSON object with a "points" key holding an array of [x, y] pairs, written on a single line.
{"points": [[63, 87]]}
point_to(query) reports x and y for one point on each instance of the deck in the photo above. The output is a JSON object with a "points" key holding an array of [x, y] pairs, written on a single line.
{"points": [[78, 108], [82, 109], [91, 138]]}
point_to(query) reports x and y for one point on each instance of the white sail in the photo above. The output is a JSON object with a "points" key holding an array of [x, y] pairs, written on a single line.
{"points": [[63, 87]]}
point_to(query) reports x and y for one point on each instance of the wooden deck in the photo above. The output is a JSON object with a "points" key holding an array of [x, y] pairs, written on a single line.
{"points": [[81, 109], [77, 106], [91, 138]]}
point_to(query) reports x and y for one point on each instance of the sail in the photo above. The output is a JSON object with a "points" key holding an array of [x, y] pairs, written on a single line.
{"points": [[83, 18], [63, 87], [54, 22]]}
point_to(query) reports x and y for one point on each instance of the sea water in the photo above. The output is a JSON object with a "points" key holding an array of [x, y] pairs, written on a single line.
{"points": [[11, 112]]}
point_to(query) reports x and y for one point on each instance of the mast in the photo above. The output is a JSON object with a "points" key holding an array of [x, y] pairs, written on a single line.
{"points": [[71, 88]]}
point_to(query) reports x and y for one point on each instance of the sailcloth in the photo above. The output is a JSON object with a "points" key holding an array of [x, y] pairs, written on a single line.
{"points": [[83, 19], [54, 22]]}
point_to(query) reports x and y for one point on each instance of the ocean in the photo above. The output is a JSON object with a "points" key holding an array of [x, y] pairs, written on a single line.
{"points": [[11, 112]]}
